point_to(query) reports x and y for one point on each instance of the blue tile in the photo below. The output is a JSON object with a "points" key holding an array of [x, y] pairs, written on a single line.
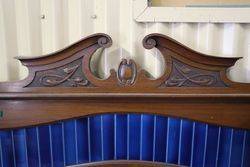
{"points": [[70, 142], [161, 138], [224, 148], [121, 130], [212, 145], [20, 147], [57, 144], [186, 143], [199, 144], [44, 145], [108, 137], [134, 136], [95, 138], [125, 136], [237, 147], [173, 140], [7, 149], [246, 159], [147, 137], [32, 146], [82, 140]]}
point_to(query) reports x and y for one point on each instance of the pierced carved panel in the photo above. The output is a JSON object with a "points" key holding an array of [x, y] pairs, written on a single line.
{"points": [[70, 75], [70, 67], [183, 75]]}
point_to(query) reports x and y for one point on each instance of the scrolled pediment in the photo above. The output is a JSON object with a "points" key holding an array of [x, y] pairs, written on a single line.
{"points": [[193, 86]]}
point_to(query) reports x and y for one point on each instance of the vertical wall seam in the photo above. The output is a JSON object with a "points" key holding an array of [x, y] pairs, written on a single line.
{"points": [[230, 148], [128, 120], [205, 146], [115, 124], [63, 141], [180, 139], [154, 139], [218, 147], [76, 141], [13, 148], [141, 136], [243, 149], [51, 148], [1, 152], [38, 146], [102, 138], [192, 147], [166, 159], [26, 148], [89, 142]]}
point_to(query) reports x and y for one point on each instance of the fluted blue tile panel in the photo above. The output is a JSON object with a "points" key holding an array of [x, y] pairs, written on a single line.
{"points": [[121, 136], [125, 136]]}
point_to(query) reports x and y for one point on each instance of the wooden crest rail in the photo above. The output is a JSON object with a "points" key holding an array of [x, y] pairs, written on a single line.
{"points": [[62, 86]]}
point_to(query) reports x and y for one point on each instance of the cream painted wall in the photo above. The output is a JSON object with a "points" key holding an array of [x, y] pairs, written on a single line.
{"points": [[23, 32], [189, 2]]}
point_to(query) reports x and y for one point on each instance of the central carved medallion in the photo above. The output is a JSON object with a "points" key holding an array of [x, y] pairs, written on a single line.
{"points": [[127, 72]]}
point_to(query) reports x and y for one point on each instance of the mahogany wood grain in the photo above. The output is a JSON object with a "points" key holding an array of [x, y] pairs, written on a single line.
{"points": [[61, 86]]}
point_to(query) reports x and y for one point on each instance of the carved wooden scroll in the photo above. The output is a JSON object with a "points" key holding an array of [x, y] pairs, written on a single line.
{"points": [[61, 86]]}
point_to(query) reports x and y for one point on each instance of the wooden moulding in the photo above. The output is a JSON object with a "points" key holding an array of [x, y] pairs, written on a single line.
{"points": [[126, 163], [61, 86]]}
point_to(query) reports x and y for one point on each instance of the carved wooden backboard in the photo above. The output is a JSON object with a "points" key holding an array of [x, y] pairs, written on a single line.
{"points": [[64, 80]]}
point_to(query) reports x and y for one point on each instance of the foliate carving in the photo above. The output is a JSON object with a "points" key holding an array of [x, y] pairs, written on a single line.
{"points": [[127, 72], [70, 75], [56, 79], [183, 75]]}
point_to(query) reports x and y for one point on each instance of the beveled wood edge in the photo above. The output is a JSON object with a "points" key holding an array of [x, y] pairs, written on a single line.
{"points": [[84, 42], [157, 40], [127, 163], [54, 96]]}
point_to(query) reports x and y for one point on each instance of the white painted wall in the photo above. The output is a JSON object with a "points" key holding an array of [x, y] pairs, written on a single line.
{"points": [[23, 32]]}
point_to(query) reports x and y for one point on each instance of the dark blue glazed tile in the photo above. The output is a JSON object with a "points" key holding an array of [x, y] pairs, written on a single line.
{"points": [[173, 140], [185, 143], [96, 138], [121, 136], [57, 145], [108, 137], [134, 136], [82, 140], [212, 146], [199, 144], [147, 138], [161, 128], [32, 146]]}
